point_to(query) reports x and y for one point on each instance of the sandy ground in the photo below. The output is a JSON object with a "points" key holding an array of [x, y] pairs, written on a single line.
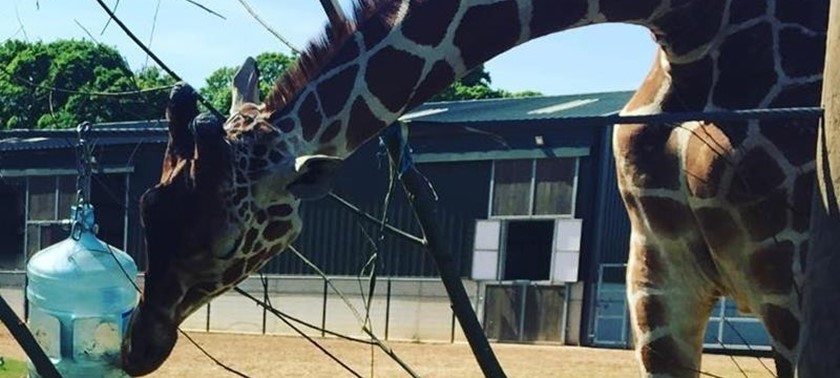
{"points": [[276, 356]]}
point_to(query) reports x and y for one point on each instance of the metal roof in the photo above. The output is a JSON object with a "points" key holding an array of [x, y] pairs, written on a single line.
{"points": [[520, 109], [101, 134], [449, 112]]}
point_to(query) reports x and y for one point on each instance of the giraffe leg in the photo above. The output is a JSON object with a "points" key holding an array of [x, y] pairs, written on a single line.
{"points": [[669, 314], [784, 367], [783, 328]]}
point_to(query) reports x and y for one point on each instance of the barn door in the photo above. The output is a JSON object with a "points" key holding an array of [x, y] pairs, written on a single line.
{"points": [[486, 247], [565, 256]]}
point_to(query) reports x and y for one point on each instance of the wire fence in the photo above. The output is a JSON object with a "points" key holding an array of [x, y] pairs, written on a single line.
{"points": [[406, 309]]}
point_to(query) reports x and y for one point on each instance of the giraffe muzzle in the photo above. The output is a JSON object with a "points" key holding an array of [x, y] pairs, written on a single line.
{"points": [[150, 339]]}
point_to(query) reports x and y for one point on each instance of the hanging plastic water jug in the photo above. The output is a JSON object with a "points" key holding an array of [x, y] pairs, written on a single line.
{"points": [[81, 294]]}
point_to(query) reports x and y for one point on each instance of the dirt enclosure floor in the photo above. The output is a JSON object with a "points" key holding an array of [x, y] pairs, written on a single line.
{"points": [[275, 356]]}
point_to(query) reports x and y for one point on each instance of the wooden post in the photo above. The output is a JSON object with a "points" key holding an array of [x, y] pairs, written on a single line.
{"points": [[424, 203], [820, 336]]}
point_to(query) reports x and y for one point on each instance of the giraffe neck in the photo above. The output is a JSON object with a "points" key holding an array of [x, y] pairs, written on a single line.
{"points": [[407, 51]]}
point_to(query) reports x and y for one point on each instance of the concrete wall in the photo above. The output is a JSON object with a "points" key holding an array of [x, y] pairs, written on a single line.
{"points": [[417, 308]]}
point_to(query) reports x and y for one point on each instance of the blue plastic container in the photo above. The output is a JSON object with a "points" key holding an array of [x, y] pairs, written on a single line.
{"points": [[81, 294]]}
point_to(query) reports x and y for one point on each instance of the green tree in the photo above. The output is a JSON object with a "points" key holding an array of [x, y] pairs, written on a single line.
{"points": [[217, 88], [60, 84], [475, 85]]}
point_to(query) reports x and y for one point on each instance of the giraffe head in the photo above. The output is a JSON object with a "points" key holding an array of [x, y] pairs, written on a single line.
{"points": [[227, 201]]}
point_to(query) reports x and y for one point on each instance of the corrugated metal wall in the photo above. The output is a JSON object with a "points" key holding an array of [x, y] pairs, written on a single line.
{"points": [[336, 240]]}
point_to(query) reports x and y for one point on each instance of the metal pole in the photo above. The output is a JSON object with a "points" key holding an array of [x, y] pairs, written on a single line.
{"points": [[523, 299], [424, 204], [821, 290], [388, 309], [265, 311], [207, 321], [324, 310], [18, 329]]}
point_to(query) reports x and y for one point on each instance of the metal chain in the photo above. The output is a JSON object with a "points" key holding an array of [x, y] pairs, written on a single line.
{"points": [[84, 165]]}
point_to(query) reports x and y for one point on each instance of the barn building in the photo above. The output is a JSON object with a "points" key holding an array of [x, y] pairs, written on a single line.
{"points": [[528, 202]]}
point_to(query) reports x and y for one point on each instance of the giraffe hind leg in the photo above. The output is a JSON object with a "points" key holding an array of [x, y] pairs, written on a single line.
{"points": [[783, 328], [669, 318]]}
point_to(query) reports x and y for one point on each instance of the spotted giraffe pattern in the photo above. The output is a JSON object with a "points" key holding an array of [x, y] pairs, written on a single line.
{"points": [[716, 209]]}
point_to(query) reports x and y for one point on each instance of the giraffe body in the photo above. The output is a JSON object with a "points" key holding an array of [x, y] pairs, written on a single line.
{"points": [[715, 209]]}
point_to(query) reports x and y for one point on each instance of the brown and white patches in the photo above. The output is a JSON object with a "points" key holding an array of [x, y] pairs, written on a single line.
{"points": [[310, 116], [649, 157], [487, 30], [690, 85], [782, 325], [746, 68], [766, 217], [549, 16], [438, 78], [745, 10], [391, 76], [664, 356], [276, 230], [363, 124], [197, 295], [280, 211], [794, 139], [330, 132], [334, 92], [622, 10], [797, 48], [649, 269], [689, 29], [771, 268], [234, 273], [809, 14], [666, 217], [706, 160], [651, 313], [719, 229], [426, 22], [755, 177]]}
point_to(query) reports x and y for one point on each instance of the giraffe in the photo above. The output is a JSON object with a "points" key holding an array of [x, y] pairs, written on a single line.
{"points": [[715, 208]]}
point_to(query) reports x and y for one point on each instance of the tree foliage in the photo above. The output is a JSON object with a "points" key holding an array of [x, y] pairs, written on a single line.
{"points": [[475, 85], [217, 89], [55, 85], [60, 84]]}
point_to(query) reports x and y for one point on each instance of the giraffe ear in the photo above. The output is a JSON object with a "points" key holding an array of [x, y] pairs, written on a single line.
{"points": [[315, 176], [246, 85]]}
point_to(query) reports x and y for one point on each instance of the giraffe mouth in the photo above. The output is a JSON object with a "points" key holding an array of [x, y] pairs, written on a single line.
{"points": [[150, 339]]}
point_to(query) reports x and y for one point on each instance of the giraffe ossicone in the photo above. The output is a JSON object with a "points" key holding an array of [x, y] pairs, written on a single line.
{"points": [[715, 208]]}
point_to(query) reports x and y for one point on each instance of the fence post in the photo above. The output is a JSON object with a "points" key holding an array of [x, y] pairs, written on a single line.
{"points": [[388, 309], [820, 336], [207, 321], [264, 310], [324, 310]]}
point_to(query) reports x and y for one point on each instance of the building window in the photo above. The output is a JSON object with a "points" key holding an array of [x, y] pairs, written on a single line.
{"points": [[37, 209], [534, 187]]}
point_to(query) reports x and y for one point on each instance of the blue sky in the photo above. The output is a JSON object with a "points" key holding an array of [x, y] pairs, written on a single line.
{"points": [[194, 43]]}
